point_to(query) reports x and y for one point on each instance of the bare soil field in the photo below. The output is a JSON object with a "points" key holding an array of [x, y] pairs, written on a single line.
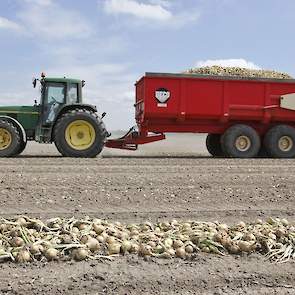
{"points": [[162, 181]]}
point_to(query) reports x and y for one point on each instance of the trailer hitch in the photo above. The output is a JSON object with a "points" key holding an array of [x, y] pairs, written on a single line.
{"points": [[132, 139]]}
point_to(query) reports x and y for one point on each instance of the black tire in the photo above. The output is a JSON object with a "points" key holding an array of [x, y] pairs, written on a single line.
{"points": [[273, 142], [240, 141], [15, 140], [64, 147], [213, 144], [262, 152], [22, 147]]}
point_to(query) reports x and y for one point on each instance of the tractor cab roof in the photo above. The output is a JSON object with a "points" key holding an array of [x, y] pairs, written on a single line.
{"points": [[60, 80]]}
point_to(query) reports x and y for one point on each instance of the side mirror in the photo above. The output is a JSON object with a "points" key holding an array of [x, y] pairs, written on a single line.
{"points": [[34, 82], [35, 102], [83, 83]]}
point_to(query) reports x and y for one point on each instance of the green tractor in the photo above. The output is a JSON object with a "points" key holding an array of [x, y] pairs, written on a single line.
{"points": [[61, 117]]}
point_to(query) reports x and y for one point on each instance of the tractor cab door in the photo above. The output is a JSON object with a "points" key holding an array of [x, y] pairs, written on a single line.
{"points": [[54, 97]]}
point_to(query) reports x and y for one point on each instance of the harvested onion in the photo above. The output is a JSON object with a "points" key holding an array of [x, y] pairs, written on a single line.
{"points": [[23, 256], [114, 248], [80, 254], [51, 254]]}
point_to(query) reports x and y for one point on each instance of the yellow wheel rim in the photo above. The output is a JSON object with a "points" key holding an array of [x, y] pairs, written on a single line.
{"points": [[80, 135], [5, 139]]}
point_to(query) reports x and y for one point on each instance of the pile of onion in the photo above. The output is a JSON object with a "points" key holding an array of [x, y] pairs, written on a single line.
{"points": [[26, 239]]}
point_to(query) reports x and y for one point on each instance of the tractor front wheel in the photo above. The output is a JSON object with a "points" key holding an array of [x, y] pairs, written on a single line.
{"points": [[10, 139], [80, 134]]}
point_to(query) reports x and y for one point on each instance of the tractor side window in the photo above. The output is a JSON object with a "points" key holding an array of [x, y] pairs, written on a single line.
{"points": [[73, 93]]}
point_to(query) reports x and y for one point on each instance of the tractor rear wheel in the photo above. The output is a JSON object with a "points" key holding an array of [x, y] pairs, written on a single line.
{"points": [[79, 133], [10, 139], [213, 144], [240, 141], [22, 147], [279, 142]]}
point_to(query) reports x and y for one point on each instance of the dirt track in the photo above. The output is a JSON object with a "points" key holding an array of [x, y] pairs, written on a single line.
{"points": [[161, 181]]}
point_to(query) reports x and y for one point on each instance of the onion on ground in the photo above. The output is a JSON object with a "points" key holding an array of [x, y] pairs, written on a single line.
{"points": [[25, 239], [51, 254], [23, 256]]}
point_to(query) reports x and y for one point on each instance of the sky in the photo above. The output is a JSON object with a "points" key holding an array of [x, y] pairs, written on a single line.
{"points": [[112, 43]]}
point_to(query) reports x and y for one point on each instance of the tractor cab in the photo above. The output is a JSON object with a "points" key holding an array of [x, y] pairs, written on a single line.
{"points": [[55, 94]]}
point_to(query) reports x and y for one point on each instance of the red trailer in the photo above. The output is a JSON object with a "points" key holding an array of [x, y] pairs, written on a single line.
{"points": [[244, 117]]}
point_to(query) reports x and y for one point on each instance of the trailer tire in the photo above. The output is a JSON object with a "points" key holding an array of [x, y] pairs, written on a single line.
{"points": [[279, 142], [213, 144], [80, 134], [10, 139], [240, 141], [262, 152]]}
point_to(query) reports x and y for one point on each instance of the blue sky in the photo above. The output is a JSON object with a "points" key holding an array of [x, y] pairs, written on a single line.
{"points": [[111, 43]]}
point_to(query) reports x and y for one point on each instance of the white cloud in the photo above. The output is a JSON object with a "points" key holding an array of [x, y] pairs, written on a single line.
{"points": [[164, 3], [49, 20], [40, 2], [184, 18], [240, 62], [8, 24], [139, 10], [152, 12]]}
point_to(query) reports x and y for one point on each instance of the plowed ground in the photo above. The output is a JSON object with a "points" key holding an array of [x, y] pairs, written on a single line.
{"points": [[162, 181]]}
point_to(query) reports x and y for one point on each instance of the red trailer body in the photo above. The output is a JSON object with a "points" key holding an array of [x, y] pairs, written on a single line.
{"points": [[207, 104], [210, 104]]}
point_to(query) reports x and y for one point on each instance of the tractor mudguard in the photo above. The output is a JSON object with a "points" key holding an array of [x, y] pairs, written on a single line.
{"points": [[17, 124], [66, 108]]}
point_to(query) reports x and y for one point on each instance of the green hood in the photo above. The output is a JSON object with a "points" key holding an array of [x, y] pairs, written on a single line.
{"points": [[19, 110], [27, 116]]}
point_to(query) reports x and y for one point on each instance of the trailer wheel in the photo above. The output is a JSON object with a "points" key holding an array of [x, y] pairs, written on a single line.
{"points": [[213, 144], [279, 142], [240, 141], [10, 139], [80, 134]]}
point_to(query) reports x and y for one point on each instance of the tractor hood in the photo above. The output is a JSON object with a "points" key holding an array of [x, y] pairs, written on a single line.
{"points": [[19, 110]]}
